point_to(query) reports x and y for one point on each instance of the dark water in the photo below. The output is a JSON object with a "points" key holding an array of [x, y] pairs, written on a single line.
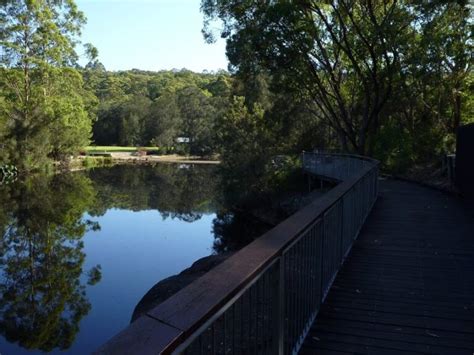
{"points": [[80, 250]]}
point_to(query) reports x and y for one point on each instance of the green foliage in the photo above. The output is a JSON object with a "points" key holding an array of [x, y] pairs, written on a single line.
{"points": [[44, 110], [92, 162], [244, 147], [88, 162], [357, 72], [197, 115], [326, 73], [433, 95], [164, 121], [155, 108]]}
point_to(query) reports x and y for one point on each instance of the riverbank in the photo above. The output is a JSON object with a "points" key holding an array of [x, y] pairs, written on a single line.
{"points": [[169, 158], [85, 162]]}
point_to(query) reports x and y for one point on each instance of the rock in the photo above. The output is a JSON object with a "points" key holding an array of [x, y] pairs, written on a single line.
{"points": [[171, 285]]}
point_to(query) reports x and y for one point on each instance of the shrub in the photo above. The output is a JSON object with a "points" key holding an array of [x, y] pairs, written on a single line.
{"points": [[88, 162]]}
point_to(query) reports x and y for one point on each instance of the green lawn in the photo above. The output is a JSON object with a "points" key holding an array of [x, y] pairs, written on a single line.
{"points": [[109, 149]]}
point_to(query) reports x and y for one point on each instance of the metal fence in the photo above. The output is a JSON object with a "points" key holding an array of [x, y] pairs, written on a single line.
{"points": [[334, 165], [270, 307]]}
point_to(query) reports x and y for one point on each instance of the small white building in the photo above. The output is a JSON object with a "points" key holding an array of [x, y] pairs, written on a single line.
{"points": [[182, 140]]}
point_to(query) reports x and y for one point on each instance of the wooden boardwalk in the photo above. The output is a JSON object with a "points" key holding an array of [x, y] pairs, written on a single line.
{"points": [[408, 284]]}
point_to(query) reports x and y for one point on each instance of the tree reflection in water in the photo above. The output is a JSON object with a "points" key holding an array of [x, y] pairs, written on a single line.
{"points": [[42, 297], [180, 191], [234, 230]]}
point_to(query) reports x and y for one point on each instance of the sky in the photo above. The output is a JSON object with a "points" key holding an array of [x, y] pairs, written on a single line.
{"points": [[150, 35]]}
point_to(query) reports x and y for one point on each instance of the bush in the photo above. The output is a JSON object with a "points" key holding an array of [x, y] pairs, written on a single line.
{"points": [[181, 149], [88, 162], [92, 162]]}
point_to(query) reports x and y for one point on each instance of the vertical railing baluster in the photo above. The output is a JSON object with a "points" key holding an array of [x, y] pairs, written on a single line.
{"points": [[312, 261], [343, 228], [300, 273], [307, 278], [281, 306], [321, 298], [290, 304], [303, 287], [264, 320]]}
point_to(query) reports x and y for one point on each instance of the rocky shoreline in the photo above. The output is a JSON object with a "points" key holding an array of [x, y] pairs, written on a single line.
{"points": [[171, 285]]}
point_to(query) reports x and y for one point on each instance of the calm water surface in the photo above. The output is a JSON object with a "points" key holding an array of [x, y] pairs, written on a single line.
{"points": [[80, 250]]}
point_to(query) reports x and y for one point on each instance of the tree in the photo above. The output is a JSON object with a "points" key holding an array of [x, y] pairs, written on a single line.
{"points": [[432, 94], [350, 62], [448, 38], [157, 107], [46, 110], [197, 115], [245, 147], [132, 115], [340, 53], [164, 121]]}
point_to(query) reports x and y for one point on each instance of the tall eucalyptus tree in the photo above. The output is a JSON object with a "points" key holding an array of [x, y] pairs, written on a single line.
{"points": [[44, 108]]}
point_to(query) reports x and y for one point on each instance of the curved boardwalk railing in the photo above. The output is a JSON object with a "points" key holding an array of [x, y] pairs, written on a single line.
{"points": [[264, 298]]}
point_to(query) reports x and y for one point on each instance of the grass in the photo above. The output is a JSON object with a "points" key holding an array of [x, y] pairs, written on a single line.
{"points": [[111, 149]]}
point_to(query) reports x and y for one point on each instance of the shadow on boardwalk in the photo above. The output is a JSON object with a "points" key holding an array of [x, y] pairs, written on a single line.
{"points": [[408, 283]]}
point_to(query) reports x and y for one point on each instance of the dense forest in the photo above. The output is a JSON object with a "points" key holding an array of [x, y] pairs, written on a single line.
{"points": [[138, 108], [388, 79]]}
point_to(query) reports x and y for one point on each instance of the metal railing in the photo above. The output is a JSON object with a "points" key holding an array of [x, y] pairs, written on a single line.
{"points": [[265, 297]]}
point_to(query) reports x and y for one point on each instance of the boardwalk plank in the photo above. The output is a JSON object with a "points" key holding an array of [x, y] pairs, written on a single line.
{"points": [[408, 284]]}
